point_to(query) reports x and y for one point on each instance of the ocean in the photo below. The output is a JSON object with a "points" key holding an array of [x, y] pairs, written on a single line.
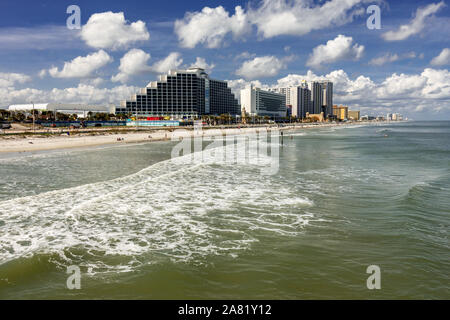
{"points": [[140, 225]]}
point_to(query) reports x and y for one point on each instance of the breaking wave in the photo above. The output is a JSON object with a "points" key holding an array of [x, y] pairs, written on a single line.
{"points": [[174, 209]]}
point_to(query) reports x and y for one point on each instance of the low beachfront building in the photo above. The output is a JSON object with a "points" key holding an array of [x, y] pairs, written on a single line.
{"points": [[81, 110], [257, 102], [319, 117], [354, 115], [340, 112]]}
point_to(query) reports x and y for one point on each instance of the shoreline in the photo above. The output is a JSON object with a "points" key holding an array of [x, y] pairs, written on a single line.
{"points": [[34, 143]]}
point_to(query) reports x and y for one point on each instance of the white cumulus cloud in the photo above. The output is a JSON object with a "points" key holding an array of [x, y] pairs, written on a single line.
{"points": [[135, 62], [96, 82], [244, 55], [201, 63], [83, 93], [132, 63], [442, 59], [389, 57], [237, 85], [340, 48], [401, 84], [81, 67], [299, 17], [109, 30], [172, 61], [210, 26], [272, 18], [262, 67], [42, 73], [10, 79], [416, 25], [437, 85]]}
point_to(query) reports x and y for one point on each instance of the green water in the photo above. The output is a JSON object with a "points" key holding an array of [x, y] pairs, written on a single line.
{"points": [[142, 226]]}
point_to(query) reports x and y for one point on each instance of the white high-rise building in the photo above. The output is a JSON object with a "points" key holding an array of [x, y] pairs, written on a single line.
{"points": [[286, 92], [300, 100], [255, 101]]}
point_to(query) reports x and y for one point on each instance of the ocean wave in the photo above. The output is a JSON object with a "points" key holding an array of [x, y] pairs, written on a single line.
{"points": [[180, 210]]}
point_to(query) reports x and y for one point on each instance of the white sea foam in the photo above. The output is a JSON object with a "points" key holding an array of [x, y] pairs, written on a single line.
{"points": [[296, 134], [181, 210], [30, 156]]}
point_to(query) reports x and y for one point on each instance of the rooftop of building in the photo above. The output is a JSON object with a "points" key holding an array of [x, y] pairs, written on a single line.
{"points": [[252, 87], [200, 72]]}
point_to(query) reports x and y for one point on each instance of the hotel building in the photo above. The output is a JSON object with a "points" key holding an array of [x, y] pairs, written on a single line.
{"points": [[255, 101], [322, 97], [286, 92], [182, 94], [316, 97], [341, 112], [353, 115], [313, 98], [300, 100]]}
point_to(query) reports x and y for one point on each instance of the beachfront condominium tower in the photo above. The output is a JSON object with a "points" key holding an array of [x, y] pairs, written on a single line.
{"points": [[300, 98], [257, 102], [286, 92], [322, 97], [182, 94], [327, 89], [316, 97]]}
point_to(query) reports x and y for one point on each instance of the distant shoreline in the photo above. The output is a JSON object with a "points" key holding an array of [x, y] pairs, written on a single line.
{"points": [[55, 141]]}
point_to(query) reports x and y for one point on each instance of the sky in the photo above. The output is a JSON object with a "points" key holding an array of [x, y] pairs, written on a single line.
{"points": [[121, 46]]}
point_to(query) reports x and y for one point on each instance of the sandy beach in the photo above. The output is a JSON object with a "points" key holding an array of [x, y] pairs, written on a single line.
{"points": [[30, 143]]}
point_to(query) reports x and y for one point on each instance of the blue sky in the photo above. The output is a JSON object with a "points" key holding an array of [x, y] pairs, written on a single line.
{"points": [[279, 42]]}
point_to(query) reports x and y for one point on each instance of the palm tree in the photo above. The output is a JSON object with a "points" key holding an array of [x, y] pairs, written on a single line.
{"points": [[4, 115], [230, 119], [47, 115], [101, 116], [18, 116]]}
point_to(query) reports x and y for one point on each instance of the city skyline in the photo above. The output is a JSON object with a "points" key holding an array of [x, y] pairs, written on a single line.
{"points": [[377, 71]]}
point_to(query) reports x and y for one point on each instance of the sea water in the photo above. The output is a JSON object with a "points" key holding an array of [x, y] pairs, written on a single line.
{"points": [[141, 225]]}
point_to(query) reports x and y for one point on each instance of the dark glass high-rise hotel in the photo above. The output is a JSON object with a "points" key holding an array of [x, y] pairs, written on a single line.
{"points": [[182, 94]]}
